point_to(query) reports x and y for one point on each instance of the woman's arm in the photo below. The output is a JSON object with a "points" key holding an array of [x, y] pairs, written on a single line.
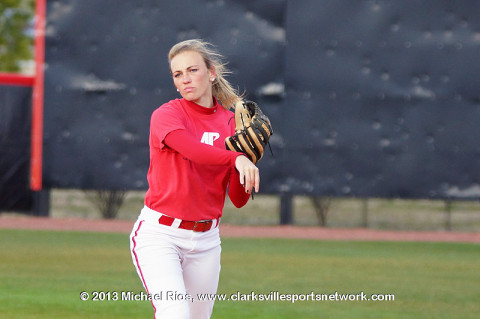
{"points": [[185, 144], [247, 175]]}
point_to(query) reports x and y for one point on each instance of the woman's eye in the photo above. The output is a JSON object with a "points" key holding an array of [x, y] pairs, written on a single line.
{"points": [[176, 75], [193, 70]]}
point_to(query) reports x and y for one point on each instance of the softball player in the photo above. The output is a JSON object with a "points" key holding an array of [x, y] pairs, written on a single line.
{"points": [[175, 243]]}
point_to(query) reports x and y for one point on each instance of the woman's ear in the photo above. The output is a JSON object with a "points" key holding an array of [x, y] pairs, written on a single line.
{"points": [[213, 74]]}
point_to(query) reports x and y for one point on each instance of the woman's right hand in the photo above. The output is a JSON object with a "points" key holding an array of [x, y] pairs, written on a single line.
{"points": [[249, 174]]}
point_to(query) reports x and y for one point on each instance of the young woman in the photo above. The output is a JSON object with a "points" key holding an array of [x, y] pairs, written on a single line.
{"points": [[175, 242]]}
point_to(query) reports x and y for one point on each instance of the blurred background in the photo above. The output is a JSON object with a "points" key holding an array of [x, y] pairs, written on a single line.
{"points": [[375, 106]]}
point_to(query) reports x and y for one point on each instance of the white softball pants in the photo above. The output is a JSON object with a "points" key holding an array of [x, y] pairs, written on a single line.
{"points": [[175, 266]]}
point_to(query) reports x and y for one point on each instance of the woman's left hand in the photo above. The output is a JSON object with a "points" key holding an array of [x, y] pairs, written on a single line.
{"points": [[249, 174]]}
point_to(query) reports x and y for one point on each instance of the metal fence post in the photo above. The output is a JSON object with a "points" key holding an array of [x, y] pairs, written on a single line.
{"points": [[286, 208], [41, 203]]}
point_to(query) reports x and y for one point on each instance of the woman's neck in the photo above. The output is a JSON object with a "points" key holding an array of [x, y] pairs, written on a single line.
{"points": [[205, 101]]}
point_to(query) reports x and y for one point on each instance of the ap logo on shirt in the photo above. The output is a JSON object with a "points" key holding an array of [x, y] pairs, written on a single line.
{"points": [[209, 137]]}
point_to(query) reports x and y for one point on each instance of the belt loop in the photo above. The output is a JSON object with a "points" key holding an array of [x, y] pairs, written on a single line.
{"points": [[195, 225], [176, 223]]}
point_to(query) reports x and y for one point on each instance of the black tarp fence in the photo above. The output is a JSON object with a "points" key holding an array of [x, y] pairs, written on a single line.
{"points": [[15, 128], [367, 98]]}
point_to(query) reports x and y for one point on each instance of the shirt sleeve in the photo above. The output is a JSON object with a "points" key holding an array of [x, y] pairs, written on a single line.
{"points": [[185, 144], [164, 120], [236, 191]]}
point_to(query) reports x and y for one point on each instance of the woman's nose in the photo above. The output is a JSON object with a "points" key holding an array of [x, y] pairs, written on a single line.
{"points": [[186, 78]]}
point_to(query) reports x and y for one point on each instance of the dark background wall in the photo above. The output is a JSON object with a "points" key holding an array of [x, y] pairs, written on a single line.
{"points": [[387, 98], [367, 98], [15, 123]]}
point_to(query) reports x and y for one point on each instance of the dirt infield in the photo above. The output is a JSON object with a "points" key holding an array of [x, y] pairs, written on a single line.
{"points": [[124, 226]]}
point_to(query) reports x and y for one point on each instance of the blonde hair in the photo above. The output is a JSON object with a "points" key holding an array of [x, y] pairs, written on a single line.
{"points": [[222, 90]]}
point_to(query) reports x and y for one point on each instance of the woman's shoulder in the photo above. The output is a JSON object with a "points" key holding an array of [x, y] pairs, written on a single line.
{"points": [[172, 105], [227, 113], [170, 109]]}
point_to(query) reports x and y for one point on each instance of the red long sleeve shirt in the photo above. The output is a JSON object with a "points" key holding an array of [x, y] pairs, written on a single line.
{"points": [[190, 168]]}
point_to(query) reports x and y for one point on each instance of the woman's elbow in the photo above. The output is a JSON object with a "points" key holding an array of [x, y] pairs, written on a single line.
{"points": [[239, 203]]}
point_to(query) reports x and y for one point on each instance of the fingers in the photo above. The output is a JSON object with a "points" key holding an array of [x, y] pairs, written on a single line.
{"points": [[257, 181], [242, 177], [252, 179], [249, 174], [249, 180]]}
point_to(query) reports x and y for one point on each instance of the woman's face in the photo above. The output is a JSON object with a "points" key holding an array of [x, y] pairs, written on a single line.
{"points": [[192, 78]]}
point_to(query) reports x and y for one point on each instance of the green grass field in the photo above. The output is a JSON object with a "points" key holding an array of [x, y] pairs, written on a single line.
{"points": [[42, 274]]}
